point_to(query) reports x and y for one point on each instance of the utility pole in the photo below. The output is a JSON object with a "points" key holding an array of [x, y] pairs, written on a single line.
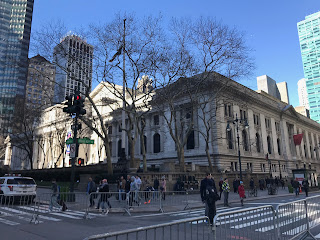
{"points": [[123, 120]]}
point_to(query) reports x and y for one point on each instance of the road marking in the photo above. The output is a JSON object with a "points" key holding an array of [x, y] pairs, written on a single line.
{"points": [[6, 221], [270, 203], [42, 216], [64, 215], [317, 236]]}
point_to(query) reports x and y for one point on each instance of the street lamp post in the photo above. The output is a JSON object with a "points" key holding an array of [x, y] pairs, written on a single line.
{"points": [[236, 122]]}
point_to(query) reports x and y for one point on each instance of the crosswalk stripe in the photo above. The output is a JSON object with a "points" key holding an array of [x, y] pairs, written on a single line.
{"points": [[42, 216], [64, 215], [8, 222]]}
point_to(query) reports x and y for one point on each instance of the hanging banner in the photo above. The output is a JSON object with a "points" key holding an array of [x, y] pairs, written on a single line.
{"points": [[297, 139]]}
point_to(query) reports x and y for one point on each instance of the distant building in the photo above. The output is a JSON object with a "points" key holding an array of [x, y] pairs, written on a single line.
{"points": [[302, 92], [283, 90], [40, 83], [73, 60], [15, 29], [303, 111], [309, 37], [277, 90]]}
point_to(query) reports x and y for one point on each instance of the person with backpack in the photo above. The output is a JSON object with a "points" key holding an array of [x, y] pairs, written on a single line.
{"points": [[91, 188], [211, 197], [54, 196]]}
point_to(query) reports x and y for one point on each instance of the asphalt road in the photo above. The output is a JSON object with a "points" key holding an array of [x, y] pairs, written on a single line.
{"points": [[71, 225]]}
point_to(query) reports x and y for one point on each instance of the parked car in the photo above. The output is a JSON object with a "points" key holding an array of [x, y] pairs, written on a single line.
{"points": [[14, 188]]}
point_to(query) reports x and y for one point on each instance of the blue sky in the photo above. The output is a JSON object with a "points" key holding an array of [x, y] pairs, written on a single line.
{"points": [[270, 26]]}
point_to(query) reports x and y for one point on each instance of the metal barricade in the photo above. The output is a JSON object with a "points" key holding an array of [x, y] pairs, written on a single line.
{"points": [[15, 206], [189, 229], [250, 223], [48, 203], [144, 200], [105, 201], [173, 200], [291, 219]]}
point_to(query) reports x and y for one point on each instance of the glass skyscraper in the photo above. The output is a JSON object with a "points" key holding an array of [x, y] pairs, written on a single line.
{"points": [[15, 29], [309, 37]]}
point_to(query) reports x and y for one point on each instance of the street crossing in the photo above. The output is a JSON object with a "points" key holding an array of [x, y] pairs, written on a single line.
{"points": [[22, 214]]}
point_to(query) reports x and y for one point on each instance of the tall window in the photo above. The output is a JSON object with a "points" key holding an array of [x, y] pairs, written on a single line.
{"points": [[245, 140], [229, 139], [156, 143], [279, 146], [258, 142], [156, 120], [269, 145], [119, 147], [190, 140]]}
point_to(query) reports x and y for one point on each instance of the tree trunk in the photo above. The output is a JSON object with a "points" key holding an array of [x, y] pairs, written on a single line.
{"points": [[181, 159], [109, 163], [209, 158], [143, 153]]}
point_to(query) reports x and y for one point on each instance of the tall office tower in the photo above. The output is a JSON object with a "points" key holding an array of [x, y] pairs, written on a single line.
{"points": [[302, 92], [40, 83], [309, 37], [277, 90], [73, 60], [15, 29]]}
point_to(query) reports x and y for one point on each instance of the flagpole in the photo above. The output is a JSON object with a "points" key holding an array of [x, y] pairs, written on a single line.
{"points": [[123, 135]]}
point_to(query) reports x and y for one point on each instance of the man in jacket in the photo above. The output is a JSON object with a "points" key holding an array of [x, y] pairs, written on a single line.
{"points": [[203, 187], [104, 195], [226, 190], [91, 187]]}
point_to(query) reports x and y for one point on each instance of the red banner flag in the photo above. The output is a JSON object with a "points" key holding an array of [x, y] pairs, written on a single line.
{"points": [[297, 139]]}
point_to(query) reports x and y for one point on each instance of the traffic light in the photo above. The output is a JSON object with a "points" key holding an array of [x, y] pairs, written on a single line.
{"points": [[68, 109], [78, 104], [80, 161]]}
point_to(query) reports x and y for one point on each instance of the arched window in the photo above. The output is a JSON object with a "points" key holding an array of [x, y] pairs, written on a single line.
{"points": [[229, 139], [190, 140], [119, 147], [145, 144], [156, 143], [245, 140], [279, 146], [258, 142], [269, 145]]}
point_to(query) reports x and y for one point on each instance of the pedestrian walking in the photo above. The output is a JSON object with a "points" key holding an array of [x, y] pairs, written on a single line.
{"points": [[234, 184], [211, 197], [156, 188], [242, 193], [203, 191], [305, 184], [251, 184], [163, 187], [54, 196], [122, 188], [295, 185], [91, 187], [104, 190], [133, 192], [226, 190]]}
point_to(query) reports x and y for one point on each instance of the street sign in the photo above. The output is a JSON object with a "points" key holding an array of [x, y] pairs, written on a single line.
{"points": [[72, 150], [85, 141], [69, 141]]}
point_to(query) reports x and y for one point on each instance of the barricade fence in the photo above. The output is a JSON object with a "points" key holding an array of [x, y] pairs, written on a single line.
{"points": [[251, 223], [189, 229], [15, 205]]}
